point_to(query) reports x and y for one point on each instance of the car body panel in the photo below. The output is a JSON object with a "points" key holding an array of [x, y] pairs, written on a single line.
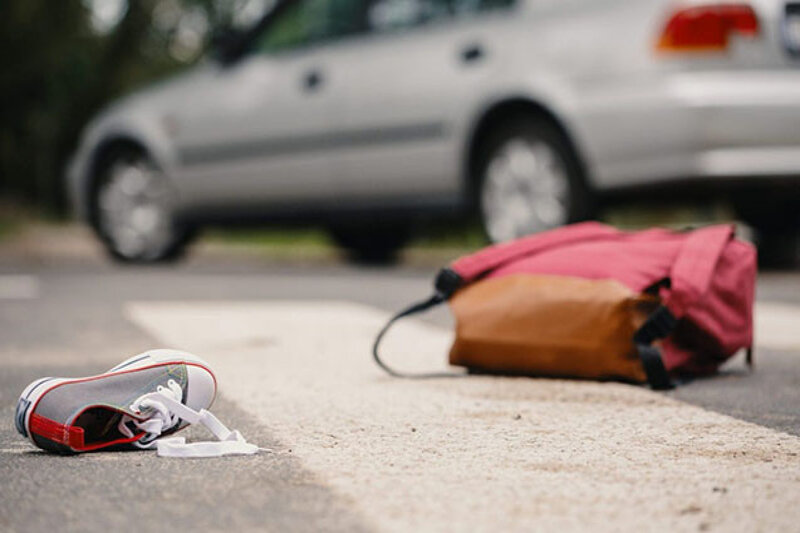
{"points": [[392, 120]]}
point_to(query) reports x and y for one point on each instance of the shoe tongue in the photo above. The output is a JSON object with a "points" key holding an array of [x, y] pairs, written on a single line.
{"points": [[120, 396], [130, 412]]}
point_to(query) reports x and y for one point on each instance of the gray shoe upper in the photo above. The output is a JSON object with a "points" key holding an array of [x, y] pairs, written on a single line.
{"points": [[66, 402]]}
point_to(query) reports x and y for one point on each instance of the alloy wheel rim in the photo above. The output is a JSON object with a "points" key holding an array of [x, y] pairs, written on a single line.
{"points": [[525, 190], [135, 210]]}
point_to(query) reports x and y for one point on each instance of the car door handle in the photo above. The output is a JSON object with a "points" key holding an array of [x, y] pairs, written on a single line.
{"points": [[472, 53], [312, 80]]}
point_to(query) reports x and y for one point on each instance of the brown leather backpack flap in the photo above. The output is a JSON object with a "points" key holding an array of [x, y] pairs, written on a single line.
{"points": [[549, 326]]}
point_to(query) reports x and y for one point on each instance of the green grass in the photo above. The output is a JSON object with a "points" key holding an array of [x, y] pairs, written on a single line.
{"points": [[7, 229], [440, 241], [282, 243], [269, 237], [455, 236], [438, 236], [676, 216], [14, 218], [432, 243]]}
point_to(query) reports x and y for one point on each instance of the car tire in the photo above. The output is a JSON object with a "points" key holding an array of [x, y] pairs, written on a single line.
{"points": [[779, 249], [777, 228], [370, 242], [529, 180], [132, 209]]}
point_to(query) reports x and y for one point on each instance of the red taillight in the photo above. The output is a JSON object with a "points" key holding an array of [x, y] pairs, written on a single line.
{"points": [[707, 27]]}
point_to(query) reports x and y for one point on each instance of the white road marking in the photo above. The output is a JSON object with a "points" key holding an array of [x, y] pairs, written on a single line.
{"points": [[777, 326], [18, 287], [480, 453], [29, 449]]}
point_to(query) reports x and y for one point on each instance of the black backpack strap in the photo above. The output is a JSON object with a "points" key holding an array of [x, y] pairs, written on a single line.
{"points": [[447, 282], [657, 375], [657, 326]]}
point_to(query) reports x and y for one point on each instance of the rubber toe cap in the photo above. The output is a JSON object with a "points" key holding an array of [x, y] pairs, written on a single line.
{"points": [[202, 387]]}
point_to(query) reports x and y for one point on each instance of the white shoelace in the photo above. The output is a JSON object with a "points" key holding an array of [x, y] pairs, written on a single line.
{"points": [[164, 411]]}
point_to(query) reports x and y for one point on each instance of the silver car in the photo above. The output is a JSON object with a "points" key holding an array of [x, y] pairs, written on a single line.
{"points": [[366, 115]]}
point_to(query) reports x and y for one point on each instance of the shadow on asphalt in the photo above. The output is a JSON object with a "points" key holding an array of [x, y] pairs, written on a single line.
{"points": [[114, 491]]}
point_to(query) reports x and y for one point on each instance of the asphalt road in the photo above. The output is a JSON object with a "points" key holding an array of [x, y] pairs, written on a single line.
{"points": [[69, 319]]}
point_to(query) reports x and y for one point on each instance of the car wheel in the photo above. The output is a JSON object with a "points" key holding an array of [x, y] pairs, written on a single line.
{"points": [[779, 249], [370, 242], [529, 181], [777, 228], [133, 211]]}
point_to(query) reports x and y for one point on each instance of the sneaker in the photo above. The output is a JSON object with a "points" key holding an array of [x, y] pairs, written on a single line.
{"points": [[128, 407]]}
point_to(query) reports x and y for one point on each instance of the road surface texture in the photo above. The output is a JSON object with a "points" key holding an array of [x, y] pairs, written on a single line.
{"points": [[356, 450]]}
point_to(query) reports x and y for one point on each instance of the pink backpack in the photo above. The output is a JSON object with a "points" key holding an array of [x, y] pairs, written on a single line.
{"points": [[699, 286]]}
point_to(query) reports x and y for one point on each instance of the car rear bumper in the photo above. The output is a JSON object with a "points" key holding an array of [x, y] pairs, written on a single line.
{"points": [[698, 125]]}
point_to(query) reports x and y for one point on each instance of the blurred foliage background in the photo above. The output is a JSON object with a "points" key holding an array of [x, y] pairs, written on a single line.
{"points": [[63, 60]]}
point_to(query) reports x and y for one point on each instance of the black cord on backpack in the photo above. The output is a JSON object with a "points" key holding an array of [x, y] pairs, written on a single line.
{"points": [[433, 301]]}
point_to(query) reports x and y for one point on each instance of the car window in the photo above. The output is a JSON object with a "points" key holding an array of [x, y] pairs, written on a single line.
{"points": [[309, 21], [385, 15], [473, 6], [487, 5]]}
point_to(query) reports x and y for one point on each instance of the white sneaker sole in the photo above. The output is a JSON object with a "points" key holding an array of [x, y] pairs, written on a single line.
{"points": [[28, 399]]}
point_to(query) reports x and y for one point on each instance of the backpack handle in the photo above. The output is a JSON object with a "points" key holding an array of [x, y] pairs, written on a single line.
{"points": [[473, 266]]}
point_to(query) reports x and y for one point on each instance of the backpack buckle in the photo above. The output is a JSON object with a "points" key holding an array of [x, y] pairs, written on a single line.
{"points": [[447, 282], [657, 326]]}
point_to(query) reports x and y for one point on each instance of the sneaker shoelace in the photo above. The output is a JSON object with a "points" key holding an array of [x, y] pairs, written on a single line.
{"points": [[163, 410]]}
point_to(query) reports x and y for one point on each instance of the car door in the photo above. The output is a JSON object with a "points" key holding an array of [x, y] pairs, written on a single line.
{"points": [[420, 67], [257, 136]]}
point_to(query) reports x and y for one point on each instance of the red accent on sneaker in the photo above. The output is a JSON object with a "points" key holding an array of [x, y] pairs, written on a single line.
{"points": [[71, 436], [101, 445]]}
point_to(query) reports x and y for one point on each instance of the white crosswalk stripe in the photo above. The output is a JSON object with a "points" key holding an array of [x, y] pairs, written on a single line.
{"points": [[778, 326], [480, 453], [18, 287]]}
